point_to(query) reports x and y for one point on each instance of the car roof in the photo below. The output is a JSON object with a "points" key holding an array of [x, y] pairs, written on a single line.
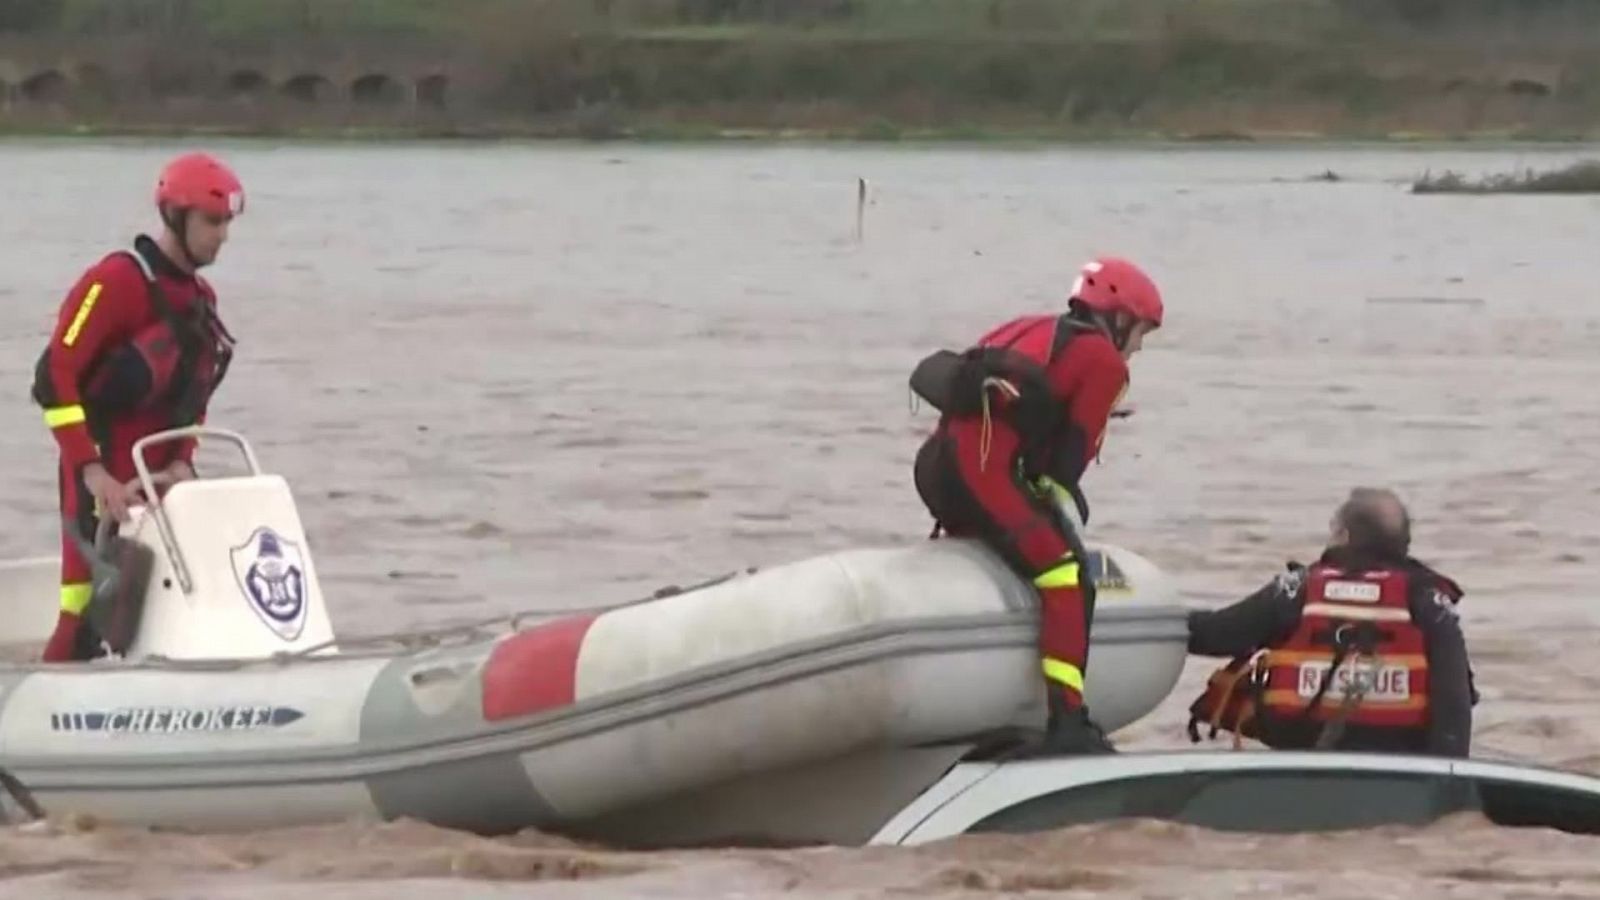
{"points": [[971, 791]]}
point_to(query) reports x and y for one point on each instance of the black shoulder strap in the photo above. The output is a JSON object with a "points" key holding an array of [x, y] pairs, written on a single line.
{"points": [[1067, 328], [158, 297]]}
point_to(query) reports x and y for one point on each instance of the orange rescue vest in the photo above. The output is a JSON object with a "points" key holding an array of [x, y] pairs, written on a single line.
{"points": [[1356, 659]]}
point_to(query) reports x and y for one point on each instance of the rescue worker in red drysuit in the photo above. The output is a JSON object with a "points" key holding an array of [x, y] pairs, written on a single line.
{"points": [[1365, 602], [1024, 412], [137, 348]]}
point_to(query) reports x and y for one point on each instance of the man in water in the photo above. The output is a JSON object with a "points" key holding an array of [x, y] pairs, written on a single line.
{"points": [[1024, 412], [1361, 651], [137, 348]]}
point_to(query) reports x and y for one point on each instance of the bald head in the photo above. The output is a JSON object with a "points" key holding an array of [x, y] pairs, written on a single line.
{"points": [[1373, 521]]}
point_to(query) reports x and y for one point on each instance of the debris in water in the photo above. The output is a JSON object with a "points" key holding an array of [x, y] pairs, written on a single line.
{"points": [[1578, 178], [1327, 176], [1429, 301], [861, 208]]}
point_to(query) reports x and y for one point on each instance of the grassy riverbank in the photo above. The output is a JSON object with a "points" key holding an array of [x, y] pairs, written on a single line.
{"points": [[845, 69]]}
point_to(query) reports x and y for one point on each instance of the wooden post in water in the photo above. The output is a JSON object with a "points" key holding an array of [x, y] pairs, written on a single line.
{"points": [[861, 207]]}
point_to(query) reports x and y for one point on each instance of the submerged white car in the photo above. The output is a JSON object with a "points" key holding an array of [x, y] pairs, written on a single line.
{"points": [[914, 796], [1263, 791]]}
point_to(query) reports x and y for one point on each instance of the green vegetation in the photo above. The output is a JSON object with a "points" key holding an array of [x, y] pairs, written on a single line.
{"points": [[221, 17], [875, 69], [1578, 178], [1086, 18]]}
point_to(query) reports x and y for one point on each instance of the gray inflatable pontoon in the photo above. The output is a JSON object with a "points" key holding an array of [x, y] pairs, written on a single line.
{"points": [[533, 721]]}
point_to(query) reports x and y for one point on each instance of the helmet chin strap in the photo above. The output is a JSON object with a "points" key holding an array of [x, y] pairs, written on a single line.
{"points": [[1107, 322], [1120, 334], [177, 222]]}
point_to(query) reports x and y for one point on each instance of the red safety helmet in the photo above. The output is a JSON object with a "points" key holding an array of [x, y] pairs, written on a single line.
{"points": [[199, 182], [1108, 284]]}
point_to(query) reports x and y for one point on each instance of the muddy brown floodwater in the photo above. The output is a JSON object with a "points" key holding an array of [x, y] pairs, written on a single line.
{"points": [[503, 376]]}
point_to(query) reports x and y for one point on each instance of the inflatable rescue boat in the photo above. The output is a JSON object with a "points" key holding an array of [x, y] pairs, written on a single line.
{"points": [[534, 719]]}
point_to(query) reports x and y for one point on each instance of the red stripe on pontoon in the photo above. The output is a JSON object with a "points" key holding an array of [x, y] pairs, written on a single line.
{"points": [[534, 671]]}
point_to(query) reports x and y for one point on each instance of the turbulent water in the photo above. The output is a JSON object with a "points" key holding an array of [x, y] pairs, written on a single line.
{"points": [[504, 377]]}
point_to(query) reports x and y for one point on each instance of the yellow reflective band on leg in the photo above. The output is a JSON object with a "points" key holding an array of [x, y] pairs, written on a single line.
{"points": [[75, 597], [60, 416], [1064, 672], [1063, 575]]}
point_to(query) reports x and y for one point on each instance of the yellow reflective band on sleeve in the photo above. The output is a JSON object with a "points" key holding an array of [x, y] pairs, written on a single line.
{"points": [[1064, 575], [62, 416], [82, 315], [1064, 672], [75, 597]]}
